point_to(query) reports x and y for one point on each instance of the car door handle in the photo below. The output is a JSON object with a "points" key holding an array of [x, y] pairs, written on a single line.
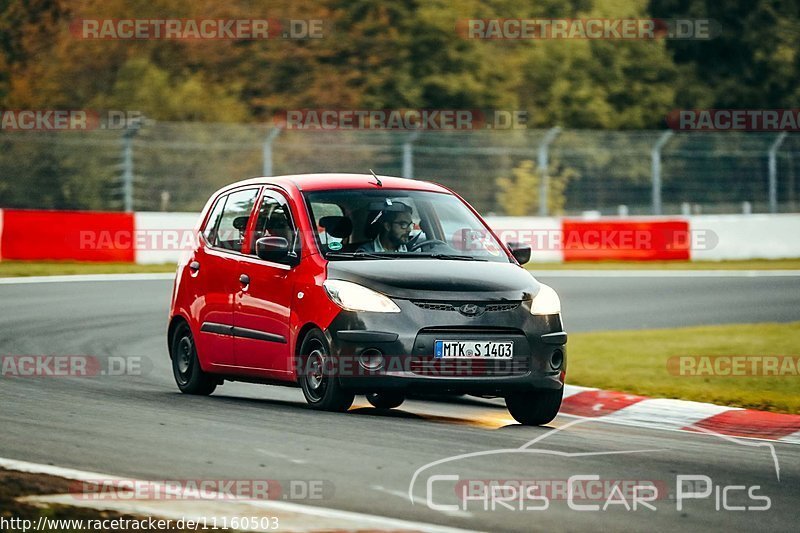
{"points": [[244, 279], [194, 266]]}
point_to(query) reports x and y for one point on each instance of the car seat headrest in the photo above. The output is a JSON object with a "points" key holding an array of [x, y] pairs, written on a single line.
{"points": [[240, 223], [337, 226]]}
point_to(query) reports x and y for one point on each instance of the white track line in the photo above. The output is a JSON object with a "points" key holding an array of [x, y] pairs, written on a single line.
{"points": [[313, 518], [794, 438], [418, 499], [156, 276], [281, 456], [572, 390]]}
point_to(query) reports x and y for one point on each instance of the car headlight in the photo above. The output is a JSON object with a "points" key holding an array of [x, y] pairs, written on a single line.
{"points": [[353, 297], [546, 301]]}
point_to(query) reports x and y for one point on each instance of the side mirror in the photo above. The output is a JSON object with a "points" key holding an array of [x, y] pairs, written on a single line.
{"points": [[520, 251], [274, 249]]}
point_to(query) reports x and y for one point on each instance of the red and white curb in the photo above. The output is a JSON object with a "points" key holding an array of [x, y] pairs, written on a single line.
{"points": [[662, 413]]}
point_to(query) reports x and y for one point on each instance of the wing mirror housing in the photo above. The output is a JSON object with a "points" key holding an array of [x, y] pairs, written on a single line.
{"points": [[520, 251], [276, 249]]}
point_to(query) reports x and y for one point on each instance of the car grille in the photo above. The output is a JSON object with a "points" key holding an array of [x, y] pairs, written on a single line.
{"points": [[470, 367], [492, 308], [430, 306], [488, 307]]}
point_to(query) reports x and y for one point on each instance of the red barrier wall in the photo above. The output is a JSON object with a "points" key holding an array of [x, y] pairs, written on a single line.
{"points": [[64, 235], [626, 240]]}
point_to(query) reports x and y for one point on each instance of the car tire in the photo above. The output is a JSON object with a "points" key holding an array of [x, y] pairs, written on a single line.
{"points": [[534, 408], [386, 400], [191, 379], [321, 388]]}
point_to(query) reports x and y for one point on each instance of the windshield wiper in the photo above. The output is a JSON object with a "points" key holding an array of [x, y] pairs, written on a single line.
{"points": [[399, 255], [357, 255], [455, 257]]}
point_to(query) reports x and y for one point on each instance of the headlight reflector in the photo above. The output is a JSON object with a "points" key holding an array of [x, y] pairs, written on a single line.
{"points": [[546, 302], [353, 297]]}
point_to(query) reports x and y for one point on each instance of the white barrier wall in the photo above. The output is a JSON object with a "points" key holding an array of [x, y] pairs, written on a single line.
{"points": [[748, 236], [722, 237], [165, 236], [547, 233], [714, 237]]}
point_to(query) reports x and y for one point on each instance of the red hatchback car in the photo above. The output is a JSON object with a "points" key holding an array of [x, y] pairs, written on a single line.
{"points": [[348, 284]]}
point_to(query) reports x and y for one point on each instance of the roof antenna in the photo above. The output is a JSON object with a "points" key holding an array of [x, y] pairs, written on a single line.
{"points": [[380, 183]]}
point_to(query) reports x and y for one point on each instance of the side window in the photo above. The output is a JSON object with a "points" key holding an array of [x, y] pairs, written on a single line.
{"points": [[235, 215], [210, 229], [274, 220]]}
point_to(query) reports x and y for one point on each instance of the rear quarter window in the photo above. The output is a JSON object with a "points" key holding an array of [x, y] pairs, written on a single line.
{"points": [[212, 222], [233, 220]]}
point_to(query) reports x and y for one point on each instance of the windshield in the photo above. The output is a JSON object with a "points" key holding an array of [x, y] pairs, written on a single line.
{"points": [[399, 224]]}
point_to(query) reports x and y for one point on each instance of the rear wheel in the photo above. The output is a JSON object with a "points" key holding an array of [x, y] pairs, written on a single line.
{"points": [[386, 400], [320, 386], [185, 366], [534, 408]]}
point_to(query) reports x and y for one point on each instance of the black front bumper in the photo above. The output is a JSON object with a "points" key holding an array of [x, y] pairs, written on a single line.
{"points": [[406, 342]]}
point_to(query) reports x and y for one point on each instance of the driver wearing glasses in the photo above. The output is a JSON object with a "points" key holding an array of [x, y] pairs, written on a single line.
{"points": [[395, 229]]}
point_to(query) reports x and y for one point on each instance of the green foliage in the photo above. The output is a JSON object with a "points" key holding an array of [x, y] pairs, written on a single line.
{"points": [[144, 87], [402, 54], [599, 84], [753, 63], [520, 194], [50, 172]]}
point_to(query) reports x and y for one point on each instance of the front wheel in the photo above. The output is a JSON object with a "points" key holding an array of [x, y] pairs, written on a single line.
{"points": [[385, 400], [320, 385], [534, 408], [186, 368]]}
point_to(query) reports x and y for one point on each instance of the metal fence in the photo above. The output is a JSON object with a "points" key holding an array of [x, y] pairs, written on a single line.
{"points": [[175, 166]]}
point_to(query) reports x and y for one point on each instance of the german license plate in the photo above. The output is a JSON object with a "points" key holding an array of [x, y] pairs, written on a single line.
{"points": [[473, 349]]}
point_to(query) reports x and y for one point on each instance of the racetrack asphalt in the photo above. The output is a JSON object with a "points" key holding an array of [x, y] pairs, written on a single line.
{"points": [[140, 426]]}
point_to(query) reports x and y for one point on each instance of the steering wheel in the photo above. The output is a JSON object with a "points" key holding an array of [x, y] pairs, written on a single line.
{"points": [[417, 246], [413, 239]]}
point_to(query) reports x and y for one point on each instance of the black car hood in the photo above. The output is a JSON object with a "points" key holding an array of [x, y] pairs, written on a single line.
{"points": [[435, 279]]}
